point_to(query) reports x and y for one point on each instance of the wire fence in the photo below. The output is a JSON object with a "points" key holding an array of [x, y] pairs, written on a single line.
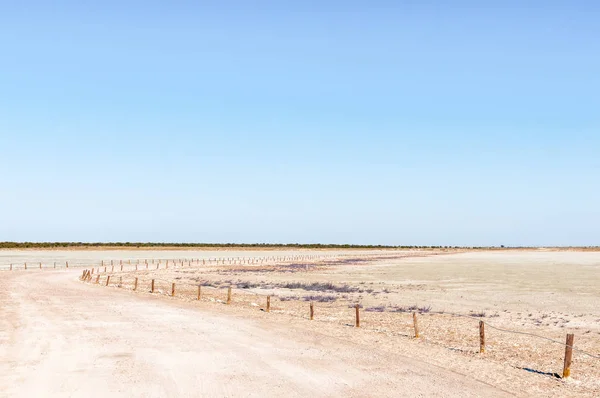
{"points": [[423, 324], [130, 264], [116, 264]]}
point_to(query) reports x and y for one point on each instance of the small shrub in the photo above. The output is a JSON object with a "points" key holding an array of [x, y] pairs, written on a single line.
{"points": [[379, 308], [320, 299], [247, 285], [288, 298], [319, 287], [412, 308], [481, 314]]}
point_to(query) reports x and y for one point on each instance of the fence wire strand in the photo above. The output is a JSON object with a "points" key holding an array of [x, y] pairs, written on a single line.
{"points": [[352, 306]]}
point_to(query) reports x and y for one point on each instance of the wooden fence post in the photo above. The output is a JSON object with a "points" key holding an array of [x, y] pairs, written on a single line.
{"points": [[83, 274], [173, 290], [268, 303], [107, 280], [135, 284], [120, 281], [481, 337], [152, 287], [104, 269], [415, 325], [199, 292], [11, 267], [312, 311], [568, 355], [357, 306], [40, 265], [121, 267], [25, 265], [97, 278], [112, 268], [229, 295], [67, 264]]}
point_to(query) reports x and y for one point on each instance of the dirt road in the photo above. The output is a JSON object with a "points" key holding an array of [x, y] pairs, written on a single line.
{"points": [[60, 337]]}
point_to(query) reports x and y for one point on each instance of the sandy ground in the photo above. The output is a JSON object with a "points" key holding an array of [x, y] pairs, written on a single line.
{"points": [[64, 338], [152, 341]]}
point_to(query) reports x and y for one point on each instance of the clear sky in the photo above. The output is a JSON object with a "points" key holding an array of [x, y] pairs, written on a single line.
{"points": [[375, 122]]}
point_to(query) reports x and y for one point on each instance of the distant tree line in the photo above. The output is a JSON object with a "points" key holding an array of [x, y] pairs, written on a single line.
{"points": [[41, 245]]}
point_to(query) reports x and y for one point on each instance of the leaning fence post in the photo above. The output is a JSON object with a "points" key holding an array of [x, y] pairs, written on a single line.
{"points": [[173, 290], [229, 295], [97, 278], [107, 280], [568, 355], [152, 287], [135, 284], [415, 325], [312, 311], [357, 306], [481, 337]]}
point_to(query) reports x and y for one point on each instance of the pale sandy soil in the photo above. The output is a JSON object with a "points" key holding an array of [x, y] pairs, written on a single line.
{"points": [[64, 338], [545, 293]]}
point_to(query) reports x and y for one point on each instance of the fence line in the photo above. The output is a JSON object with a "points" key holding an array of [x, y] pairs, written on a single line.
{"points": [[569, 346], [181, 261]]}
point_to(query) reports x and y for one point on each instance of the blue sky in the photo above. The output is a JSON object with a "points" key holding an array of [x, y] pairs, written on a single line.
{"points": [[442, 123]]}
